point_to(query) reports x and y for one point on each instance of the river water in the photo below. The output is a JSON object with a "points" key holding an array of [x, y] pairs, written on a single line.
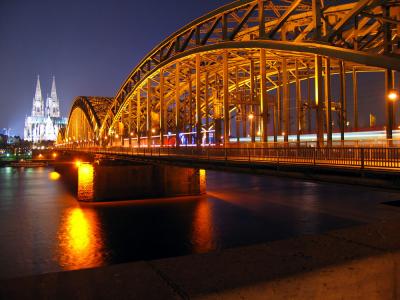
{"points": [[44, 229]]}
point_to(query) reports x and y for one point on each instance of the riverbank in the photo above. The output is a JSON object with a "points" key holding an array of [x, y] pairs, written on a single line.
{"points": [[357, 263]]}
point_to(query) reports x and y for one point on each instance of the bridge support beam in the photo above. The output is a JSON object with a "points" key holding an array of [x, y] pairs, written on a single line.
{"points": [[148, 113], [319, 100], [389, 78], [189, 107], [177, 104], [252, 101], [225, 81], [138, 114], [264, 97], [342, 79], [328, 100], [207, 108], [238, 105], [162, 108], [298, 101], [130, 123], [198, 102], [355, 100], [286, 101], [389, 85], [309, 106]]}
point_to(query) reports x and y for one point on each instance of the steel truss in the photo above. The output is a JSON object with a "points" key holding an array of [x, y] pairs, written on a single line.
{"points": [[236, 65]]}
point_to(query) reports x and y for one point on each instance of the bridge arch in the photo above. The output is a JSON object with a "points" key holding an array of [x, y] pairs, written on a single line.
{"points": [[243, 60], [85, 118]]}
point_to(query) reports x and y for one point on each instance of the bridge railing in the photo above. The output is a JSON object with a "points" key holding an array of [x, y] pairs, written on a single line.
{"points": [[388, 158]]}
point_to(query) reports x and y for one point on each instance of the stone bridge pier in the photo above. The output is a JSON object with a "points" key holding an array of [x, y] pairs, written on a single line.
{"points": [[108, 180]]}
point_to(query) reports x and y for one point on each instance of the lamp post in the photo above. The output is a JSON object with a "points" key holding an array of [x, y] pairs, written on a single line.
{"points": [[392, 97], [252, 127]]}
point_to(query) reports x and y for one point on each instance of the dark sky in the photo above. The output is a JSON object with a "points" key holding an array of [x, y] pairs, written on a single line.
{"points": [[91, 46]]}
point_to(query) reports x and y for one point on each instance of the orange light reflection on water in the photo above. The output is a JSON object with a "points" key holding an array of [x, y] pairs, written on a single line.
{"points": [[203, 228], [54, 176], [81, 243]]}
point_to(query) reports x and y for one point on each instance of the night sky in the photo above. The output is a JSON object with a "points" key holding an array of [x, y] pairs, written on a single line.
{"points": [[90, 46]]}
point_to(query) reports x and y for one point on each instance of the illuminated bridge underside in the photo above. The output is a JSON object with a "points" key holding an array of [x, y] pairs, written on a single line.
{"points": [[228, 74]]}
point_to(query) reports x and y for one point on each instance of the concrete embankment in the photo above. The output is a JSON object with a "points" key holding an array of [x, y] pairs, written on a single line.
{"points": [[356, 263]]}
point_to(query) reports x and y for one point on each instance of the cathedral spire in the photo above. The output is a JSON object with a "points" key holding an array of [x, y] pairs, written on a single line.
{"points": [[38, 104], [38, 93], [53, 89], [55, 105]]}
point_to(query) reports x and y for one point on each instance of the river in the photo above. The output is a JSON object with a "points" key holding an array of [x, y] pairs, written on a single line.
{"points": [[43, 228]]}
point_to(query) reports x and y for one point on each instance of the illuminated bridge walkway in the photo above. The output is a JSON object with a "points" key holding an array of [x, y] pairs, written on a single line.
{"points": [[350, 157], [245, 80]]}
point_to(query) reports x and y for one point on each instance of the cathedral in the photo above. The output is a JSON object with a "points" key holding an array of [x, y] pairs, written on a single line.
{"points": [[45, 121]]}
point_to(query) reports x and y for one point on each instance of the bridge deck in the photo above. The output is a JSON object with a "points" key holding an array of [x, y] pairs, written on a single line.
{"points": [[353, 157]]}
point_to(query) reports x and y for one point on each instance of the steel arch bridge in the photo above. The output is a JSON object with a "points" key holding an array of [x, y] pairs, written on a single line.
{"points": [[230, 74]]}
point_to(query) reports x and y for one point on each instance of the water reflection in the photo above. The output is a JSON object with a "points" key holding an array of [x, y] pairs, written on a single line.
{"points": [[85, 182], [44, 229], [203, 228], [54, 176], [81, 243]]}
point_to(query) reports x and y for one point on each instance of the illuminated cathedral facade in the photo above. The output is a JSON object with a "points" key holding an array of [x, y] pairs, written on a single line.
{"points": [[45, 121]]}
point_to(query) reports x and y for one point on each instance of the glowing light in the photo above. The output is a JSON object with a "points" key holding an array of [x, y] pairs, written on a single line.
{"points": [[54, 155], [393, 96], [85, 182], [131, 133], [117, 136], [251, 116], [259, 133], [153, 130], [40, 155], [54, 176], [203, 181], [80, 240], [78, 163]]}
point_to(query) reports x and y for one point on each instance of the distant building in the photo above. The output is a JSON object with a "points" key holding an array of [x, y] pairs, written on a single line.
{"points": [[45, 121]]}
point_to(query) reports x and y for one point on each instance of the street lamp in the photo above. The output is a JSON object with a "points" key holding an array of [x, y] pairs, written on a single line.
{"points": [[393, 95]]}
